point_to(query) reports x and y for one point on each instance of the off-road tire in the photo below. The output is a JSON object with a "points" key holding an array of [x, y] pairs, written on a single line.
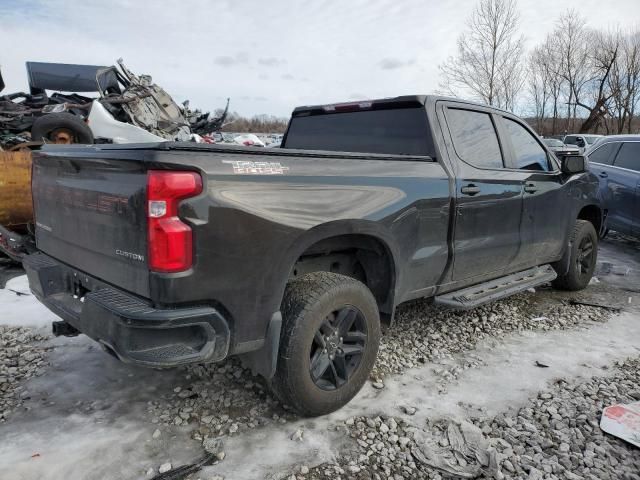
{"points": [[307, 303], [44, 126], [575, 278]]}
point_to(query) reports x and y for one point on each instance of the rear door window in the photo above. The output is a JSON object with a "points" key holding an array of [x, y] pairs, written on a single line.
{"points": [[529, 154], [603, 154], [474, 138], [629, 156]]}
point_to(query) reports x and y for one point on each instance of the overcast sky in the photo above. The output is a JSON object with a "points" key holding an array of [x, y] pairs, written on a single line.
{"points": [[268, 56]]}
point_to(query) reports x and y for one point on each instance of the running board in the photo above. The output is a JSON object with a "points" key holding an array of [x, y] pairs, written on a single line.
{"points": [[502, 287]]}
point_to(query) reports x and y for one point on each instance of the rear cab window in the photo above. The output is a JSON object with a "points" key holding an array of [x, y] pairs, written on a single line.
{"points": [[384, 129], [474, 138]]}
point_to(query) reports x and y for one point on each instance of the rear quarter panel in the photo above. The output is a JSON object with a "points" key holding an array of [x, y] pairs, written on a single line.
{"points": [[253, 222]]}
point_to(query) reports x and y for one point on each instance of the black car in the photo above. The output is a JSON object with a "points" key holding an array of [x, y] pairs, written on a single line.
{"points": [[292, 258]]}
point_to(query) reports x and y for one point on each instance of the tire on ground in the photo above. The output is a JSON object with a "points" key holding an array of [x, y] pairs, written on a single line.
{"points": [[45, 126], [578, 277], [306, 304]]}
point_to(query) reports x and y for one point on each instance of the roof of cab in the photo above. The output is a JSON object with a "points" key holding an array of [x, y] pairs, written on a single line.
{"points": [[389, 102]]}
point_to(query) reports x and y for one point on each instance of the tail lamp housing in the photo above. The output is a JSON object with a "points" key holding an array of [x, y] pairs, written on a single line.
{"points": [[170, 239]]}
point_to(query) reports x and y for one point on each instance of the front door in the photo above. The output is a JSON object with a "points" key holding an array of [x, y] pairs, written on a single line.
{"points": [[545, 216], [623, 187], [489, 198]]}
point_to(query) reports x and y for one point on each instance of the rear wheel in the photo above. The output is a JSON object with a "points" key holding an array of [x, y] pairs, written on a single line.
{"points": [[583, 256], [329, 342]]}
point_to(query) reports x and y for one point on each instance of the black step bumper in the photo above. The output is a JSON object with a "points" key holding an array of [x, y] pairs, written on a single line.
{"points": [[127, 326]]}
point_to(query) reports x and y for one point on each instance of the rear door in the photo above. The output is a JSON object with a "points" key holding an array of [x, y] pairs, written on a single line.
{"points": [[623, 184], [601, 164], [489, 198], [545, 213]]}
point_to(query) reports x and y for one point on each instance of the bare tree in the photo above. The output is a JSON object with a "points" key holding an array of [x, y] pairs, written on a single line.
{"points": [[603, 56], [539, 88], [488, 62], [624, 83], [572, 52]]}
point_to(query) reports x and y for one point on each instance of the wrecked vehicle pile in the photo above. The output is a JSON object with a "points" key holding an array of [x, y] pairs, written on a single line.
{"points": [[129, 108]]}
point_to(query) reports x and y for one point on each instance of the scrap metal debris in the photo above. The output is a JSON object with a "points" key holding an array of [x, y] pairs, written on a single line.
{"points": [[183, 471], [127, 108], [622, 421], [573, 301]]}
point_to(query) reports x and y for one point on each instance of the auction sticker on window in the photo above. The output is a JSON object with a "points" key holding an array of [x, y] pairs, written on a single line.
{"points": [[623, 421]]}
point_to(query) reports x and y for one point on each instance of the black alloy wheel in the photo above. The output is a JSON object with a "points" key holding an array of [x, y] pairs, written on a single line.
{"points": [[337, 349], [585, 255], [576, 268]]}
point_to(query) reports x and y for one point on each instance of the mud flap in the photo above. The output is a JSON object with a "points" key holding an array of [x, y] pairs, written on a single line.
{"points": [[264, 361], [562, 266]]}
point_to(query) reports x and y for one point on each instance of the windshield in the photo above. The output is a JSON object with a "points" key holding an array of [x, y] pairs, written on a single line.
{"points": [[398, 131], [552, 142], [591, 140]]}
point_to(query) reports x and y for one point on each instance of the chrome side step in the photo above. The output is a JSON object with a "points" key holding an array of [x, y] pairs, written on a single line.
{"points": [[502, 287]]}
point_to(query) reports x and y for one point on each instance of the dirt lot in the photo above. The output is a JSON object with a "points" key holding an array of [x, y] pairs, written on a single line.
{"points": [[510, 390]]}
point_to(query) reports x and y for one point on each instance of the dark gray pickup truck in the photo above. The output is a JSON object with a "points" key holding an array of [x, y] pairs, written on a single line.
{"points": [[293, 258]]}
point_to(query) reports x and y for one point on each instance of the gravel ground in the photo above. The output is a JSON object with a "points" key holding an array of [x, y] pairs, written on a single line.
{"points": [[554, 436], [225, 399], [219, 399], [424, 333], [22, 356]]}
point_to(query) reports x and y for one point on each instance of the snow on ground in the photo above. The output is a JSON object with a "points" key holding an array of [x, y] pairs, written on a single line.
{"points": [[20, 308], [88, 415], [506, 382]]}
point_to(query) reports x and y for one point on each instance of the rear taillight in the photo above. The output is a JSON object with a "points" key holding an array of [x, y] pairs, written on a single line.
{"points": [[170, 239]]}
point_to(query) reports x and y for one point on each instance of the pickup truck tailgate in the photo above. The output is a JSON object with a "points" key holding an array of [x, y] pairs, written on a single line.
{"points": [[90, 213]]}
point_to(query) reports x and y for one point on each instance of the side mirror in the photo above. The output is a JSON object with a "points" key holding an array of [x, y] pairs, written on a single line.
{"points": [[572, 164]]}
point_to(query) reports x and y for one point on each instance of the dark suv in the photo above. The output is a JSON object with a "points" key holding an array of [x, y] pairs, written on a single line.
{"points": [[616, 161]]}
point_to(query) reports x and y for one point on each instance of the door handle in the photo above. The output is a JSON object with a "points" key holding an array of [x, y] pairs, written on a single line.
{"points": [[603, 174], [530, 188], [470, 189]]}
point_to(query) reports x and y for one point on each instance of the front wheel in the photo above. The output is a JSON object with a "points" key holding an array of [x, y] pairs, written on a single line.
{"points": [[583, 255], [328, 344]]}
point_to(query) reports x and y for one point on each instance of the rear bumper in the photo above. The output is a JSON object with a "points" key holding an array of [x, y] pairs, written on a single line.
{"points": [[130, 328]]}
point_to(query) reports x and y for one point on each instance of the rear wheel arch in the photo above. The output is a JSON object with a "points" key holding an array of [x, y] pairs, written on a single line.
{"points": [[364, 256]]}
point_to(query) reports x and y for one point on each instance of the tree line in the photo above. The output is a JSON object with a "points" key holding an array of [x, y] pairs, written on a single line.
{"points": [[578, 79], [255, 124]]}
